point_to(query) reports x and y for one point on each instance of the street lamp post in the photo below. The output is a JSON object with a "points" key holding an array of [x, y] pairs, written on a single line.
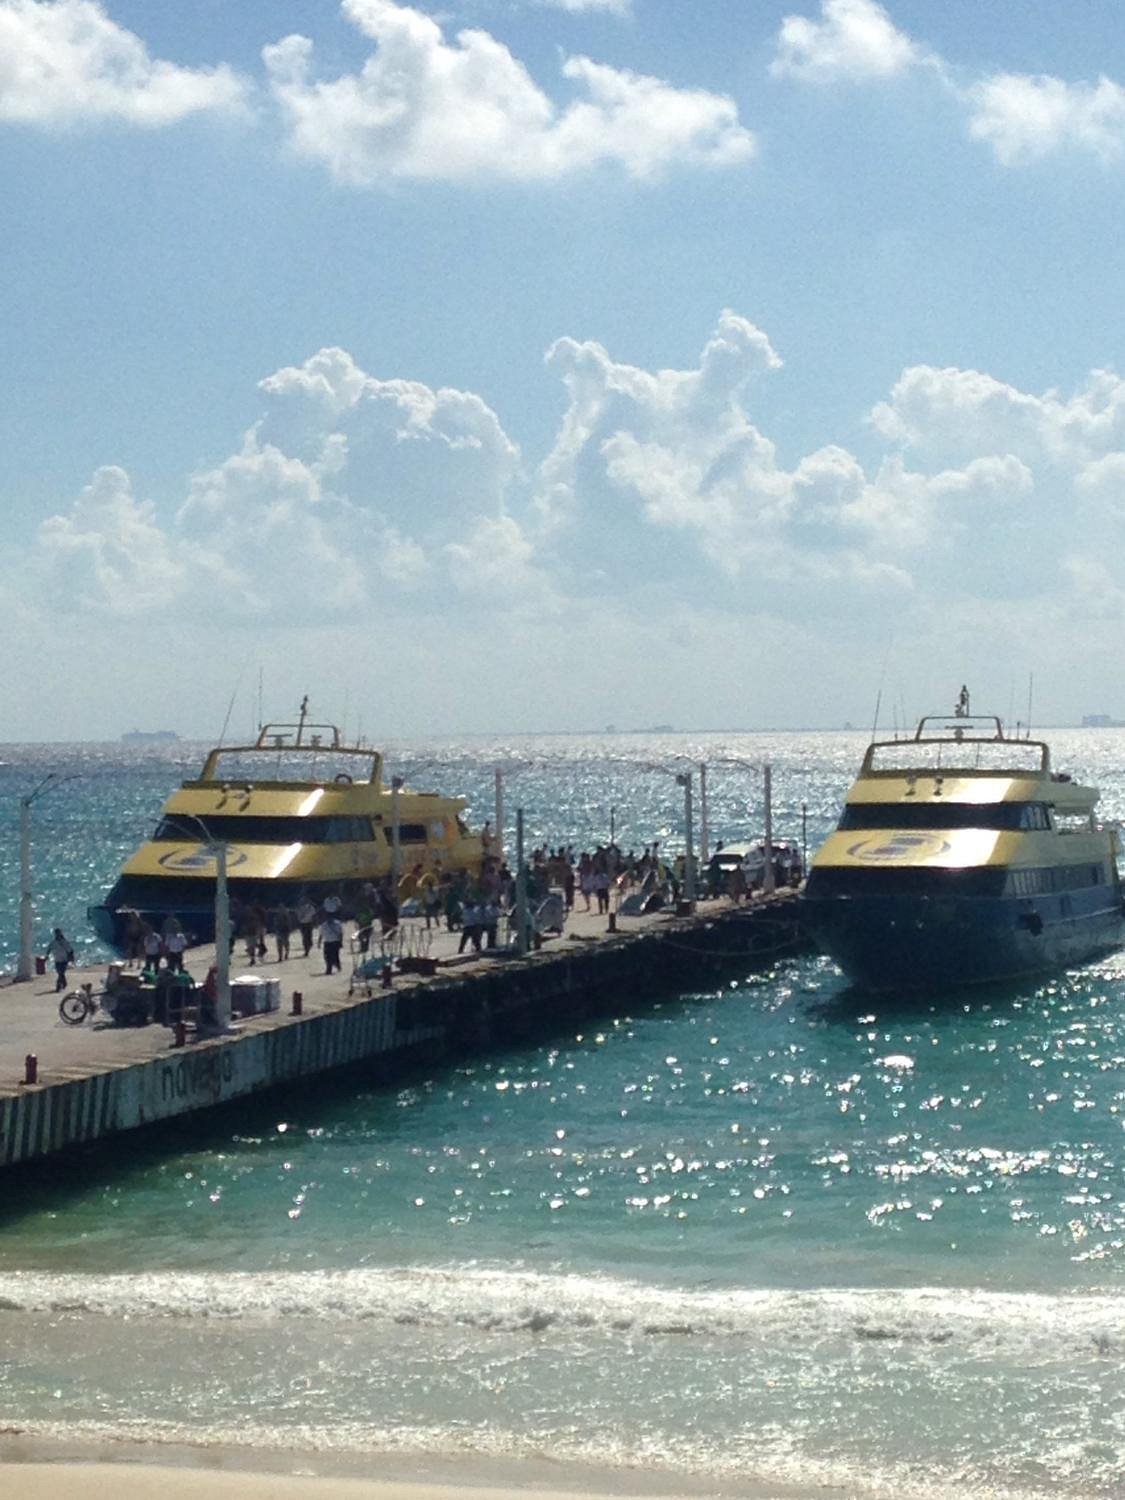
{"points": [[396, 839], [27, 904], [704, 830], [685, 780], [521, 888], [768, 880], [498, 817], [218, 850], [23, 972]]}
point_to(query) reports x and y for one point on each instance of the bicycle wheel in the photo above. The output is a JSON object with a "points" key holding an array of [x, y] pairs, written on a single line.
{"points": [[73, 1008]]}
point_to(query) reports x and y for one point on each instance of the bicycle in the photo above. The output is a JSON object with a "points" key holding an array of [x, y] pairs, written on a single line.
{"points": [[76, 1005]]}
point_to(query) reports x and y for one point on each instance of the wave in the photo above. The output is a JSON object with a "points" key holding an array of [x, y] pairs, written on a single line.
{"points": [[1023, 1324]]}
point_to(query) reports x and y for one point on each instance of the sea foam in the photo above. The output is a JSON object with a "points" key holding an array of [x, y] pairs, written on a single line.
{"points": [[999, 1324]]}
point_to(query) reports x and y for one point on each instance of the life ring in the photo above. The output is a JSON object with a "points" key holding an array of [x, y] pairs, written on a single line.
{"points": [[343, 779]]}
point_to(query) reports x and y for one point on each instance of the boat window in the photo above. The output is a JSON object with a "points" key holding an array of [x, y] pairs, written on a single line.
{"points": [[437, 832], [906, 881], [1073, 822], [252, 829], [412, 833], [1055, 878], [934, 813]]}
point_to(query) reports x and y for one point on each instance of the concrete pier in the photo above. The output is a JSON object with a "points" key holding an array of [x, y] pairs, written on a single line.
{"points": [[97, 1079]]}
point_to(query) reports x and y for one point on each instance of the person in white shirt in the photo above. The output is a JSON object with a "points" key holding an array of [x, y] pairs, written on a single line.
{"points": [[331, 939], [61, 955]]}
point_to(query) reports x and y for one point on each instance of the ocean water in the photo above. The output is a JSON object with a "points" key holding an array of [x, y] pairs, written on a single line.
{"points": [[769, 1231]]}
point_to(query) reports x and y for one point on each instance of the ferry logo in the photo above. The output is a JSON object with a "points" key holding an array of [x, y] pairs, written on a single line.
{"points": [[193, 861], [899, 846]]}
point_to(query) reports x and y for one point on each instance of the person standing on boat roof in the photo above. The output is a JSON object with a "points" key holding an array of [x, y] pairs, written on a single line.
{"points": [[61, 955]]}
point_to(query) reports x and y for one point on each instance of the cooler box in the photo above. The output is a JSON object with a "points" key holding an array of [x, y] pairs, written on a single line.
{"points": [[250, 996]]}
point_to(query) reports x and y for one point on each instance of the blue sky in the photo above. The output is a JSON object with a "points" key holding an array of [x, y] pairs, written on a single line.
{"points": [[530, 364]]}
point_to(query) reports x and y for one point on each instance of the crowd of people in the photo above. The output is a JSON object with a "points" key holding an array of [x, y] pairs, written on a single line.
{"points": [[471, 903]]}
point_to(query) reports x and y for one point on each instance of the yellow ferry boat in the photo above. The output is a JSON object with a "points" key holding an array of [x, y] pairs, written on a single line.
{"points": [[299, 812], [961, 857]]}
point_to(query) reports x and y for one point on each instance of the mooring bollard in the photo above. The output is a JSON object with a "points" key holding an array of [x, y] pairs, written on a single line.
{"points": [[180, 1033], [388, 974], [612, 922], [298, 1006], [31, 1068]]}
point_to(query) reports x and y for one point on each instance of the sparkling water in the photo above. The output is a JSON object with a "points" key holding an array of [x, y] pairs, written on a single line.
{"points": [[770, 1230]]}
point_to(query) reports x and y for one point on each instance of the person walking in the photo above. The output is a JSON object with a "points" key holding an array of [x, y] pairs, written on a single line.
{"points": [[282, 927], [61, 955], [306, 920], [331, 939]]}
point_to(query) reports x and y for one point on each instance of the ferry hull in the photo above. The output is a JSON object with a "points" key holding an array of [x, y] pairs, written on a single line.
{"points": [[195, 910], [901, 943]]}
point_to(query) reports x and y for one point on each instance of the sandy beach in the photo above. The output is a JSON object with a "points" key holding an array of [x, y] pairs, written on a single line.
{"points": [[33, 1467], [158, 1482]]}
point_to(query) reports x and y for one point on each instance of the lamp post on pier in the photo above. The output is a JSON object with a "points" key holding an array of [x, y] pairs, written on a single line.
{"points": [[397, 784], [766, 770], [217, 848], [684, 779], [27, 901]]}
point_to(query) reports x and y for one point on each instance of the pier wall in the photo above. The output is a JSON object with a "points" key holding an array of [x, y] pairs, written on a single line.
{"points": [[449, 1014]]}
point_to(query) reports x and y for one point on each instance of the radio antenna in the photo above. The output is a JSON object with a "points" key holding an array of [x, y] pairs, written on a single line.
{"points": [[875, 720], [1030, 687], [230, 707]]}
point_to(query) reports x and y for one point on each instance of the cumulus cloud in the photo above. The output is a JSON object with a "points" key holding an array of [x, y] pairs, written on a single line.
{"points": [[1025, 118], [362, 499], [65, 61], [349, 493], [425, 107], [954, 415], [854, 39]]}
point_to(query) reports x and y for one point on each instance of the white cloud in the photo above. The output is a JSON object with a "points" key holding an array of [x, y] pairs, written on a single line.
{"points": [[954, 415], [422, 107], [349, 493], [1025, 118], [854, 39], [66, 61], [576, 7], [989, 507]]}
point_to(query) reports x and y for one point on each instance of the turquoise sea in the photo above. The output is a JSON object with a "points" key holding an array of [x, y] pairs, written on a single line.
{"points": [[772, 1230]]}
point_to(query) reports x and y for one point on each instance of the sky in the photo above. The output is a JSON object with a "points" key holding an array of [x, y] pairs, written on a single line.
{"points": [[550, 364]]}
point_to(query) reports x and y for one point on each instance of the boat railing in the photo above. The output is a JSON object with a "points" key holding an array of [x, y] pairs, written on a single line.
{"points": [[281, 758], [958, 746]]}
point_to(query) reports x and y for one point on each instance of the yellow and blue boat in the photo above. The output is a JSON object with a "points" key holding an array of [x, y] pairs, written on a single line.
{"points": [[299, 812], [960, 858]]}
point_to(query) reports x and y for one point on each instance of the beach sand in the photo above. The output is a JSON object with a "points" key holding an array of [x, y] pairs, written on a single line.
{"points": [[33, 1467], [117, 1481]]}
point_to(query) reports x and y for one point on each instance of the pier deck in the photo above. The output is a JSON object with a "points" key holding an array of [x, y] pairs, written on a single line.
{"points": [[95, 1079]]}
